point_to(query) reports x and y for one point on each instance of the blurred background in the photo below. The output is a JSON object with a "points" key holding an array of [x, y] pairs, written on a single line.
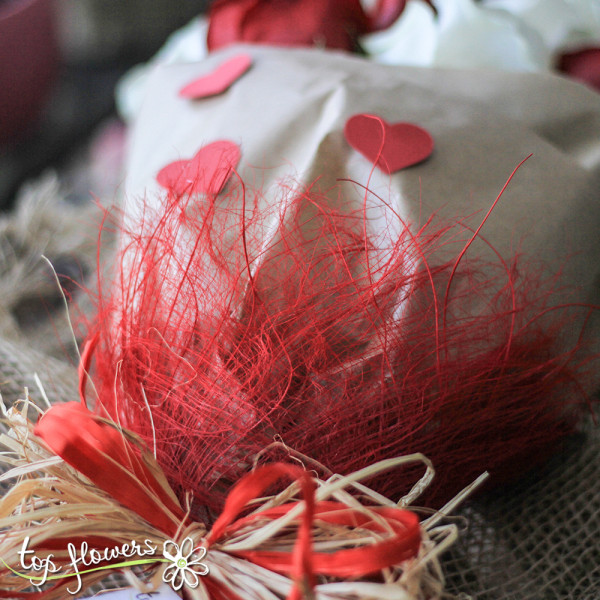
{"points": [[59, 63]]}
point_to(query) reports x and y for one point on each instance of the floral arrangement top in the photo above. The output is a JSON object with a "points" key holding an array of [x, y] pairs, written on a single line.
{"points": [[534, 35]]}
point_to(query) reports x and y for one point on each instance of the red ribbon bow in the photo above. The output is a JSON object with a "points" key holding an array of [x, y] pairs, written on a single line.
{"points": [[110, 459]]}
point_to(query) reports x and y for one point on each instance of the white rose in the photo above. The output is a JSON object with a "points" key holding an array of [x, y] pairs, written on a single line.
{"points": [[462, 35], [563, 24]]}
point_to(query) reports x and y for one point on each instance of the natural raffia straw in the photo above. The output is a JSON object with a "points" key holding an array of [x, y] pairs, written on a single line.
{"points": [[52, 501]]}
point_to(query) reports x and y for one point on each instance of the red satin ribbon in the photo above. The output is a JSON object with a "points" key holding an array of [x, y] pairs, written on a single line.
{"points": [[299, 565], [347, 563], [100, 451]]}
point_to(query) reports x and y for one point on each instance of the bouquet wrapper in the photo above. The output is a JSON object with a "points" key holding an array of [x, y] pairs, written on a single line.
{"points": [[288, 114]]}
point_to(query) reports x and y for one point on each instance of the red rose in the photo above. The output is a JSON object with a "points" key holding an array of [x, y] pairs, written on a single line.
{"points": [[329, 23]]}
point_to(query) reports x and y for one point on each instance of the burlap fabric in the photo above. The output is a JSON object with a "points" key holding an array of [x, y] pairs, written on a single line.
{"points": [[538, 539], [34, 333]]}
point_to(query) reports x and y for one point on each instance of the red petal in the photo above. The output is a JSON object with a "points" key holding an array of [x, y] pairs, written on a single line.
{"points": [[583, 65]]}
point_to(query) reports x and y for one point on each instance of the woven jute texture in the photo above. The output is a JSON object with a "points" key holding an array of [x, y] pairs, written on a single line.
{"points": [[539, 539]]}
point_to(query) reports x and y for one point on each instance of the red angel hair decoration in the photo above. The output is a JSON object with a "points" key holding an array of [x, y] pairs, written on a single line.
{"points": [[232, 324], [329, 23], [97, 486]]}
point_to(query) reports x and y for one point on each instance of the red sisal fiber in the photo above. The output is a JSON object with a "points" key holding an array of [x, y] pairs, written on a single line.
{"points": [[231, 325]]}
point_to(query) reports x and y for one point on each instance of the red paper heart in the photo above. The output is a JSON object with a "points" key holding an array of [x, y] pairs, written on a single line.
{"points": [[390, 147], [219, 80], [205, 173]]}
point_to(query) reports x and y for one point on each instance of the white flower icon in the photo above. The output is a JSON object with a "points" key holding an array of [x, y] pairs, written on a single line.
{"points": [[183, 570]]}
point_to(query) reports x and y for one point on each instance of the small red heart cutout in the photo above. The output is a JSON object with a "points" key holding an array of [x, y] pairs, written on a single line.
{"points": [[219, 80], [390, 147], [205, 173]]}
